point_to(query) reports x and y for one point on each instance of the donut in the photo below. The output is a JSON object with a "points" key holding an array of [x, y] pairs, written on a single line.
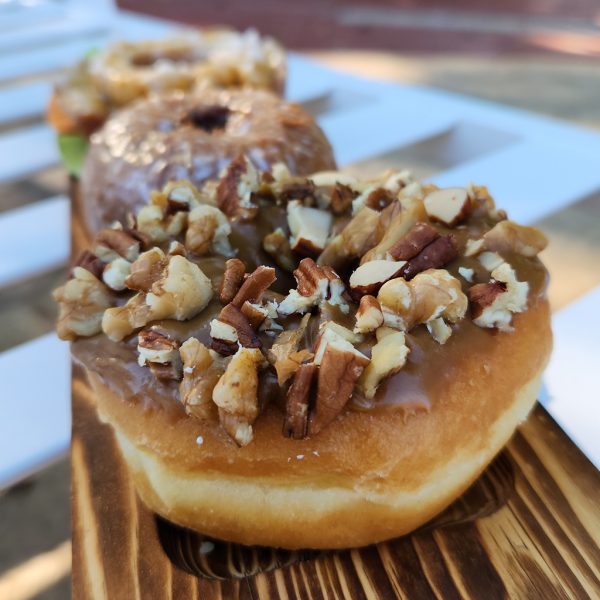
{"points": [[193, 136], [310, 361], [125, 71]]}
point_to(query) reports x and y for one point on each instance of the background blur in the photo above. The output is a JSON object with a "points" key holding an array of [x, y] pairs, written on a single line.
{"points": [[538, 54]]}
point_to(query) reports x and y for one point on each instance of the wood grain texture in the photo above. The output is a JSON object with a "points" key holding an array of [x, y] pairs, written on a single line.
{"points": [[528, 528]]}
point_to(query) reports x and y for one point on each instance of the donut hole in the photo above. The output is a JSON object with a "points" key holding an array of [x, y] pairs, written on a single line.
{"points": [[208, 118], [148, 59]]}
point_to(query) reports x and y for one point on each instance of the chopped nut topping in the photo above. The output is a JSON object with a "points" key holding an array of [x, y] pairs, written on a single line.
{"points": [[490, 260], [282, 352], [202, 369], [388, 356], [115, 273], [254, 286], [236, 394], [341, 198], [440, 331], [474, 247], [255, 313], [233, 277], [181, 195], [379, 199], [208, 231], [437, 254], [157, 348], [233, 316], [369, 277], [110, 244], [494, 303], [412, 213], [224, 332], [309, 227], [431, 294], [449, 206], [409, 246], [298, 401], [82, 301], [466, 274], [340, 367], [90, 262], [278, 246], [146, 270], [369, 315], [508, 236], [236, 188]]}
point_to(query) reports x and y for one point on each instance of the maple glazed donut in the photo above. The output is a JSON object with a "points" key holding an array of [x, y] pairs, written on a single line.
{"points": [[193, 136], [126, 71], [310, 362]]}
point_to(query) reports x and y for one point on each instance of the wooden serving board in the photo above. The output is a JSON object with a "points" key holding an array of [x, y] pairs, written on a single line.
{"points": [[528, 528]]}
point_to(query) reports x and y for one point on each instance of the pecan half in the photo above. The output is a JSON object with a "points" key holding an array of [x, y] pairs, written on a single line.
{"points": [[421, 235], [233, 277], [255, 285], [298, 401], [440, 252]]}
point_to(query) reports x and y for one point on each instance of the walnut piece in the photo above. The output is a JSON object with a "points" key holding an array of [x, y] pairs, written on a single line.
{"points": [[508, 236], [115, 273], [430, 295], [202, 369], [146, 270], [309, 228], [388, 356], [82, 301], [208, 231], [494, 303], [236, 394]]}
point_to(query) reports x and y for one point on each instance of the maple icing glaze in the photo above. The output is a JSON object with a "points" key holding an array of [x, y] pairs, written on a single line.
{"points": [[428, 368]]}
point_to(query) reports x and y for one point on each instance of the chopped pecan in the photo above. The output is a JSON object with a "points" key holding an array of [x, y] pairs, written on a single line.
{"points": [[449, 206], [82, 302], [233, 316], [508, 236], [421, 235], [388, 356], [474, 247], [208, 231], [412, 213], [284, 347], [177, 248], [341, 198], [440, 331], [369, 315], [236, 188], [340, 366], [312, 288], [298, 402], [180, 195], [431, 294], [236, 394], [201, 372], [440, 252], [494, 303], [278, 246], [160, 353], [490, 260], [232, 279], [224, 347], [90, 262], [309, 228], [113, 243], [297, 189], [369, 277], [255, 285], [255, 314], [379, 199]]}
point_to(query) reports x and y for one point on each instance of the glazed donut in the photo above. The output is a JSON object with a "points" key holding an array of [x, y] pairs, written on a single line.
{"points": [[193, 136], [126, 71], [341, 409]]}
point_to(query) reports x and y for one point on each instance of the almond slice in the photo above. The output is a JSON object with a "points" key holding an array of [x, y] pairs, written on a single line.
{"points": [[449, 205]]}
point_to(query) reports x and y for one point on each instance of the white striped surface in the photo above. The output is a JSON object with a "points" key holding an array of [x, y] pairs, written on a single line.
{"points": [[46, 227], [533, 165], [35, 415]]}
